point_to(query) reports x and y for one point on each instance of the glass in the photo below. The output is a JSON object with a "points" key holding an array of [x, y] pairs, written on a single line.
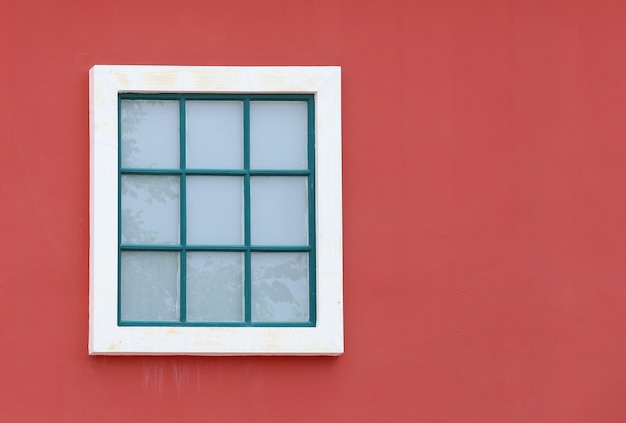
{"points": [[150, 209], [214, 210], [278, 134], [280, 287], [214, 134], [215, 287], [150, 134], [279, 210], [149, 286]]}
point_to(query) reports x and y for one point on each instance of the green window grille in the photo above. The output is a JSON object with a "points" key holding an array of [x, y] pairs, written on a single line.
{"points": [[216, 210]]}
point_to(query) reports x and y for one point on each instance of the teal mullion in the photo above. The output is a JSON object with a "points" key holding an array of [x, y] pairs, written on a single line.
{"points": [[213, 324], [119, 208], [247, 280], [183, 211], [150, 96], [216, 172], [311, 185], [247, 287], [241, 248], [149, 247], [281, 248], [280, 97], [280, 172], [138, 171], [225, 248], [281, 324], [215, 96]]}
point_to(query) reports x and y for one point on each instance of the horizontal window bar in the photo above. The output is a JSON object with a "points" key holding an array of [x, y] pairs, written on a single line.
{"points": [[140, 171], [279, 248], [227, 97], [214, 324], [252, 172], [134, 247], [260, 248], [216, 247], [276, 248], [218, 172], [277, 172]]}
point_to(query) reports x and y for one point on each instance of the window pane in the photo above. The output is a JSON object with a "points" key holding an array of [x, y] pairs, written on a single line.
{"points": [[214, 210], [214, 286], [150, 285], [150, 134], [278, 135], [150, 209], [279, 210], [280, 287], [215, 134]]}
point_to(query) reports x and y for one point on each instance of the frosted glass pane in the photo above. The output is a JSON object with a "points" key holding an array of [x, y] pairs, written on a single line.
{"points": [[214, 210], [150, 209], [279, 210], [214, 286], [150, 134], [278, 135], [215, 134], [280, 287], [150, 285]]}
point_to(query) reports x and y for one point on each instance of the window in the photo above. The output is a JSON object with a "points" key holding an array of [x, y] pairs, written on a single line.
{"points": [[215, 210], [216, 227]]}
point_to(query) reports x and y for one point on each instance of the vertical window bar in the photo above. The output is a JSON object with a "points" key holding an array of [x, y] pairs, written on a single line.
{"points": [[247, 288], [119, 208], [311, 185], [183, 211]]}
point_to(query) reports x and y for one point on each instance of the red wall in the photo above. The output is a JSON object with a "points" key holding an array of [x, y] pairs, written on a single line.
{"points": [[484, 211]]}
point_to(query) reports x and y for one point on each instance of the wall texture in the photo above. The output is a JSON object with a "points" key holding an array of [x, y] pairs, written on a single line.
{"points": [[484, 211]]}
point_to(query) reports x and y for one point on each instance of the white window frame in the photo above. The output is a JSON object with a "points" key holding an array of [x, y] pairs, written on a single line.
{"points": [[105, 336]]}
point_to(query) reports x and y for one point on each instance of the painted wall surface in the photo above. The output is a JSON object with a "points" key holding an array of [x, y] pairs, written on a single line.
{"points": [[484, 211]]}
